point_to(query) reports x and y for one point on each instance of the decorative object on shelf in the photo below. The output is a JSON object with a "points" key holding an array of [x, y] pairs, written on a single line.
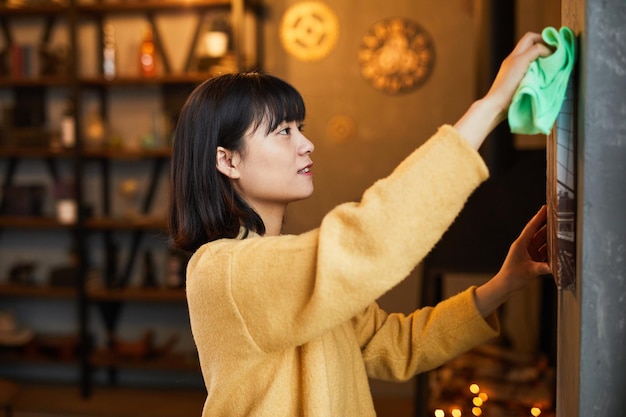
{"points": [[11, 334], [175, 269], [147, 54], [109, 52], [21, 61], [136, 349], [25, 130], [66, 207], [63, 276], [129, 191], [66, 211], [61, 347], [309, 30], [22, 273], [23, 200], [54, 60], [143, 348], [95, 131], [156, 137], [68, 126], [396, 55], [214, 43]]}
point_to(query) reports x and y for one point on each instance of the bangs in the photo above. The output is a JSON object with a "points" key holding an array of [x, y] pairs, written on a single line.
{"points": [[274, 102]]}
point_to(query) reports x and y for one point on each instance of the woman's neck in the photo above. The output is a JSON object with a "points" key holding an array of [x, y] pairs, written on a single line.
{"points": [[272, 218]]}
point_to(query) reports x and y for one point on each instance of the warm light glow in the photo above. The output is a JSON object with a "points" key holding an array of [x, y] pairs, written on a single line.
{"points": [[477, 411], [439, 413], [474, 389], [483, 396], [477, 401], [535, 411], [456, 412], [216, 44]]}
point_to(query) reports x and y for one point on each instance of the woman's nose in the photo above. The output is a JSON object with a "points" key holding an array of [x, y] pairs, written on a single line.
{"points": [[307, 146]]}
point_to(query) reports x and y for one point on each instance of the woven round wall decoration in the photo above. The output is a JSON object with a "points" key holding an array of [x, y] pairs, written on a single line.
{"points": [[396, 55], [309, 30]]}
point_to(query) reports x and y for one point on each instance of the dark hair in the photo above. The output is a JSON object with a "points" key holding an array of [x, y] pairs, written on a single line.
{"points": [[204, 206]]}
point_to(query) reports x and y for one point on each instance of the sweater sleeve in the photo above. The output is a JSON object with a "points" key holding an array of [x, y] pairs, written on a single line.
{"points": [[287, 290], [395, 347]]}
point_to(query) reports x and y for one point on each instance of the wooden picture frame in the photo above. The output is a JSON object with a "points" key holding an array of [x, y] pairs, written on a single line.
{"points": [[561, 192]]}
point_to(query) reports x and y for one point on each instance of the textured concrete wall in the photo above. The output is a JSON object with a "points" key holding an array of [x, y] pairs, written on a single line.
{"points": [[592, 318]]}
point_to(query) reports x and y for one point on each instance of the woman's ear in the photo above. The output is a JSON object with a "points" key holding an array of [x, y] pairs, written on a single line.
{"points": [[227, 162]]}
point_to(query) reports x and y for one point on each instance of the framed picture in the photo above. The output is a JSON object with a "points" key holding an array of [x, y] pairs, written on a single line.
{"points": [[561, 192]]}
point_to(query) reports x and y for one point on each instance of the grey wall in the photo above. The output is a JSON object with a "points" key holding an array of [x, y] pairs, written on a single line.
{"points": [[592, 318]]}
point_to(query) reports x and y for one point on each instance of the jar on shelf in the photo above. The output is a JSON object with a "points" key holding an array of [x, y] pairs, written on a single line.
{"points": [[68, 126], [109, 52], [147, 54]]}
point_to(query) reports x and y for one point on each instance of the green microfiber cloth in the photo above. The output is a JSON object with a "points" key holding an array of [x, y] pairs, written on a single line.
{"points": [[539, 97]]}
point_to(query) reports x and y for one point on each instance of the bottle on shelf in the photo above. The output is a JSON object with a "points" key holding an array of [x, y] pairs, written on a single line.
{"points": [[147, 54], [68, 126], [109, 52]]}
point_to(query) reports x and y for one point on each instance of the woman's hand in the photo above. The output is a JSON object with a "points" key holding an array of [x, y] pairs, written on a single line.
{"points": [[512, 70], [485, 114], [525, 261]]}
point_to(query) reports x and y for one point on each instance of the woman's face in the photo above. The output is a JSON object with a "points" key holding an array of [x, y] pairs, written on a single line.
{"points": [[275, 168]]}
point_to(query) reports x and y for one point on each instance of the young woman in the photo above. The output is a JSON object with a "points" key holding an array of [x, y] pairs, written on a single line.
{"points": [[287, 325]]}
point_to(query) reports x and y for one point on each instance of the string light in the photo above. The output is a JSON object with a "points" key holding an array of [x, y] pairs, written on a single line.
{"points": [[478, 401]]}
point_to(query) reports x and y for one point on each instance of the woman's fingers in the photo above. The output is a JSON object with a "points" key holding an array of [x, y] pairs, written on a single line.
{"points": [[536, 223], [527, 41], [538, 247]]}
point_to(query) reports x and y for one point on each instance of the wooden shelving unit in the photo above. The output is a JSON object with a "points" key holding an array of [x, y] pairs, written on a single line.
{"points": [[114, 292]]}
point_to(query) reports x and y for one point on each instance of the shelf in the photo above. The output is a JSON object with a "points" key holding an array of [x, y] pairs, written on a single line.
{"points": [[96, 223], [15, 357], [118, 7], [126, 223], [93, 153], [36, 291], [41, 81], [191, 78], [48, 9], [30, 222], [171, 361], [151, 5], [127, 153], [34, 152], [137, 294]]}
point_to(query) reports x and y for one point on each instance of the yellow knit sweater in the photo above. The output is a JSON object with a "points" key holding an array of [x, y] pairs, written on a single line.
{"points": [[288, 325]]}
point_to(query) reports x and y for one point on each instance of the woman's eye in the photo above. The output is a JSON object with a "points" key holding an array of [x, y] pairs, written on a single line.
{"points": [[286, 130]]}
